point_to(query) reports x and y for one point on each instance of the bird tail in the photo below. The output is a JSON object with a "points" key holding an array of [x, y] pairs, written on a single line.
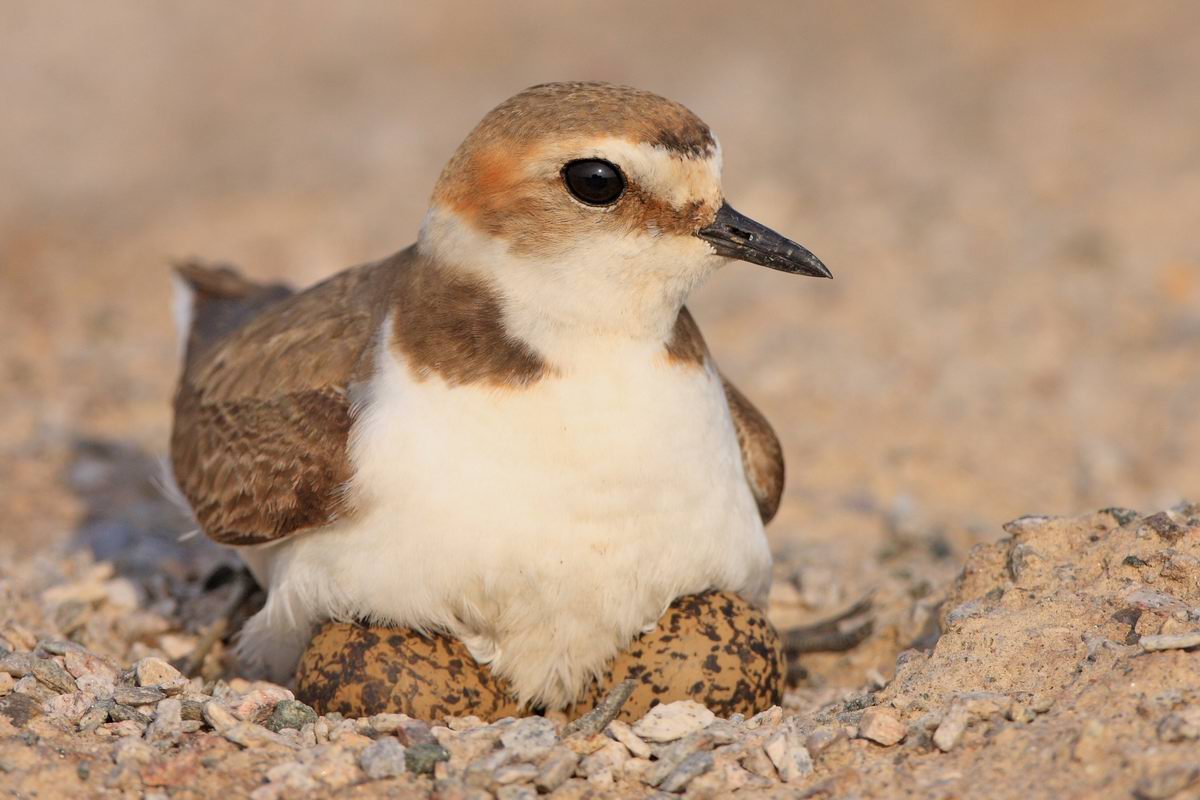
{"points": [[212, 301]]}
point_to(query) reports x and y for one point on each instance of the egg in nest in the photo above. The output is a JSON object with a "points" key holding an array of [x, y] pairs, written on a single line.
{"points": [[714, 648]]}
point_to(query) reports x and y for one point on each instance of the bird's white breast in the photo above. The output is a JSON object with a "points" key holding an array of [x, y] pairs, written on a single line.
{"points": [[545, 525]]}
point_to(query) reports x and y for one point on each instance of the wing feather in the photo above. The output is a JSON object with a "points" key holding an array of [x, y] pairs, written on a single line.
{"points": [[263, 413], [762, 455]]}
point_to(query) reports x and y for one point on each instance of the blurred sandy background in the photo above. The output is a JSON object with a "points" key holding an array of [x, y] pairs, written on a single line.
{"points": [[1007, 193]]}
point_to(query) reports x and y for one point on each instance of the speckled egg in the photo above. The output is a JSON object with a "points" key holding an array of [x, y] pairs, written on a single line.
{"points": [[359, 671], [714, 648]]}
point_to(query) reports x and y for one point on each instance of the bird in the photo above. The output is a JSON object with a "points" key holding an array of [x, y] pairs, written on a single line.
{"points": [[511, 431]]}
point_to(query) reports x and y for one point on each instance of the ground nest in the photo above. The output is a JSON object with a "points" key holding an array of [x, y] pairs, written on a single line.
{"points": [[1065, 666]]}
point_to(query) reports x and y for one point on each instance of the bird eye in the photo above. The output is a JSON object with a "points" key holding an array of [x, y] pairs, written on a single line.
{"points": [[595, 182]]}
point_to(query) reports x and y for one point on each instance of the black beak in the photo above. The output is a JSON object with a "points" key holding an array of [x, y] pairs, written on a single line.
{"points": [[736, 236]]}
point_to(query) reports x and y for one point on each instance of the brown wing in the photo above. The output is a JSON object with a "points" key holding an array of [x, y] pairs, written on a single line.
{"points": [[762, 456], [263, 413]]}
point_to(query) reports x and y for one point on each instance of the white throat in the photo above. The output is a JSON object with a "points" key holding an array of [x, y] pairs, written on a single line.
{"points": [[611, 289]]}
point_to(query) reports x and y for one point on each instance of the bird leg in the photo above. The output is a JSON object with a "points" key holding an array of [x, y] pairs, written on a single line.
{"points": [[830, 635], [243, 590]]}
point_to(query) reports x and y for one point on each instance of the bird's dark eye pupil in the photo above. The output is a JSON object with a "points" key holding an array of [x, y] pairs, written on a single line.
{"points": [[595, 182]]}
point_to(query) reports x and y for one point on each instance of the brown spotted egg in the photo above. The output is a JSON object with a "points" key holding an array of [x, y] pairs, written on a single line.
{"points": [[714, 648]]}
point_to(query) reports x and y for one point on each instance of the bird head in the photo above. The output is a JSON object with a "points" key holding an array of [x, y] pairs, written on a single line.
{"points": [[599, 205]]}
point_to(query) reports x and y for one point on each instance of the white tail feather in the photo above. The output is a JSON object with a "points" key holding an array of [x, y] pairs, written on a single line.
{"points": [[183, 308]]}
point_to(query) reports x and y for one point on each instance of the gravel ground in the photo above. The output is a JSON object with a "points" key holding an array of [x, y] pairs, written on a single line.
{"points": [[1064, 667]]}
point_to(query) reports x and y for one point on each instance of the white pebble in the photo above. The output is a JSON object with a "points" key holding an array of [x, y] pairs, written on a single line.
{"points": [[383, 758], [670, 721], [609, 758], [258, 703], [950, 731], [154, 672], [625, 735], [881, 726], [789, 755], [69, 707]]}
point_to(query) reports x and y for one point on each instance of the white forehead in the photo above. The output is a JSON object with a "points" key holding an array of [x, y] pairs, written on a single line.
{"points": [[679, 180]]}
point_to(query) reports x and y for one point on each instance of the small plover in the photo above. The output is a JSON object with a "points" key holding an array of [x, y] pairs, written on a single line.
{"points": [[512, 430]]}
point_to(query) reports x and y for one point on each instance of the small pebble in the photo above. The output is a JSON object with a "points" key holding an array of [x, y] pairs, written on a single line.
{"points": [[218, 716], [767, 718], [479, 772], [168, 720], [675, 753], [99, 685], [608, 758], [53, 675], [721, 781], [193, 709], [514, 773], [559, 765], [125, 728], [603, 780], [1177, 641], [20, 708], [290, 714], [333, 766], [951, 729], [982, 705], [586, 745], [258, 704], [124, 713], [529, 738], [641, 770], [464, 723], [625, 735], [694, 765], [881, 726], [670, 721], [789, 755], [757, 762], [408, 730], [421, 758], [248, 735], [1019, 712], [136, 695], [820, 739], [383, 758], [154, 672], [55, 647], [344, 737], [34, 688], [95, 716], [17, 665], [69, 707], [1041, 703]]}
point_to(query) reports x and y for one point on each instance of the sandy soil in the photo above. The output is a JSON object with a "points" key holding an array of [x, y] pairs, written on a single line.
{"points": [[1006, 193]]}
